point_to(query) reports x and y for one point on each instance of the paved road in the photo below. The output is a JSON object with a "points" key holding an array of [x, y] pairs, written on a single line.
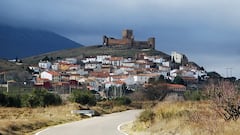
{"points": [[103, 125]]}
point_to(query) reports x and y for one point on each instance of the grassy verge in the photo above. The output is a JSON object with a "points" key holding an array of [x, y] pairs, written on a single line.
{"points": [[182, 118], [26, 120], [18, 121]]}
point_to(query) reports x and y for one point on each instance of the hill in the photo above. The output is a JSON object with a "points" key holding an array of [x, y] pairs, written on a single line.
{"points": [[93, 51], [8, 66], [23, 42]]}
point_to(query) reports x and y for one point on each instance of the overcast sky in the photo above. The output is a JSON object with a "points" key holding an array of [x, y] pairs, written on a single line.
{"points": [[206, 31]]}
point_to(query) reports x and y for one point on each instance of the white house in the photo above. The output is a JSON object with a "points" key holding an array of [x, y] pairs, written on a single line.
{"points": [[167, 64], [35, 69], [164, 68], [116, 61], [144, 78], [51, 76], [129, 64], [55, 66], [177, 57], [71, 60], [101, 58], [114, 89], [158, 60], [93, 65], [82, 72], [128, 59], [44, 64], [89, 59], [174, 72], [100, 76], [129, 80]]}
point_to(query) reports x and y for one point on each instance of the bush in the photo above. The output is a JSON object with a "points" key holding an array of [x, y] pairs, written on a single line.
{"points": [[14, 101], [43, 98], [51, 99], [38, 98], [122, 101], [193, 95], [3, 99], [225, 97], [83, 97], [147, 116]]}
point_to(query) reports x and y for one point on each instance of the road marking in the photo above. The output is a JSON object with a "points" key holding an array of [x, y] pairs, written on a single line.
{"points": [[119, 127], [38, 133]]}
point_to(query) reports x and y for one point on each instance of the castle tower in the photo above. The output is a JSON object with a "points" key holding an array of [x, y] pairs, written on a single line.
{"points": [[151, 42], [127, 34], [105, 40]]}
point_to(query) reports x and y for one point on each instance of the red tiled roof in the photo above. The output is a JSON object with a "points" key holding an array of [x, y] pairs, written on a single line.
{"points": [[116, 58], [100, 74], [53, 73], [119, 82], [178, 87], [119, 76]]}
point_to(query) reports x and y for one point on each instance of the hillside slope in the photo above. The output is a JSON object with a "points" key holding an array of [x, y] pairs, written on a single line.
{"points": [[8, 66], [93, 51], [22, 42]]}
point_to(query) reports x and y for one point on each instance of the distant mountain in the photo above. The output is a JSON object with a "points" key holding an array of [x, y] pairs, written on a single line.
{"points": [[22, 42]]}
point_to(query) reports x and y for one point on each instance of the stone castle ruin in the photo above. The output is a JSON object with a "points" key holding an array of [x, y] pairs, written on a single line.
{"points": [[128, 41]]}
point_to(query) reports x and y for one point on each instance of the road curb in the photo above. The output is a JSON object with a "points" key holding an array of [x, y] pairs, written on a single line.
{"points": [[119, 127]]}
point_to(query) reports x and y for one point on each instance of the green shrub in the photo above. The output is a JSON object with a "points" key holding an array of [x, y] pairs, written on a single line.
{"points": [[14, 101], [51, 99], [193, 95], [3, 99], [83, 97], [122, 101], [43, 98], [25, 100], [38, 98], [147, 116]]}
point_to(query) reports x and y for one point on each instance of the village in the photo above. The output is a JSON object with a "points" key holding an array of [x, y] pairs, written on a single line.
{"points": [[111, 76]]}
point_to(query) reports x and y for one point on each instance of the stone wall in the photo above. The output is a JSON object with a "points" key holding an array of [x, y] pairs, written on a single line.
{"points": [[128, 40]]}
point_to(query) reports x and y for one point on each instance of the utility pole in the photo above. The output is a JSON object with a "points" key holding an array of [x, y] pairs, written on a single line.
{"points": [[7, 87], [228, 72], [9, 81]]}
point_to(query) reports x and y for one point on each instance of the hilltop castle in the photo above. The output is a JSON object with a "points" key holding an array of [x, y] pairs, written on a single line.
{"points": [[128, 41]]}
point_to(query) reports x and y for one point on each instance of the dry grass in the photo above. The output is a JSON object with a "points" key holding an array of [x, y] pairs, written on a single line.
{"points": [[185, 118], [20, 121], [26, 120]]}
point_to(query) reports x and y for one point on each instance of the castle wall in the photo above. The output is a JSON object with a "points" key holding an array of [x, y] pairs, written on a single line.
{"points": [[128, 40], [127, 34], [110, 41]]}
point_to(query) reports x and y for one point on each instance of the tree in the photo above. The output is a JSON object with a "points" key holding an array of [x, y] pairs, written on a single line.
{"points": [[226, 99], [178, 80], [3, 99], [151, 80], [155, 92], [161, 78], [46, 58], [83, 97], [122, 101]]}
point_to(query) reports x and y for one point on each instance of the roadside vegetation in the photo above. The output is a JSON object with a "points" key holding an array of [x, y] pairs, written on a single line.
{"points": [[37, 98], [23, 113], [25, 120], [213, 111]]}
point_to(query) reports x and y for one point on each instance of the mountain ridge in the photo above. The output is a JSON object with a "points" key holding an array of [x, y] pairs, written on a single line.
{"points": [[24, 42]]}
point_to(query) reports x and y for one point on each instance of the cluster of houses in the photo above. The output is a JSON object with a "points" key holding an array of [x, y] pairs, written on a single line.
{"points": [[112, 76]]}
